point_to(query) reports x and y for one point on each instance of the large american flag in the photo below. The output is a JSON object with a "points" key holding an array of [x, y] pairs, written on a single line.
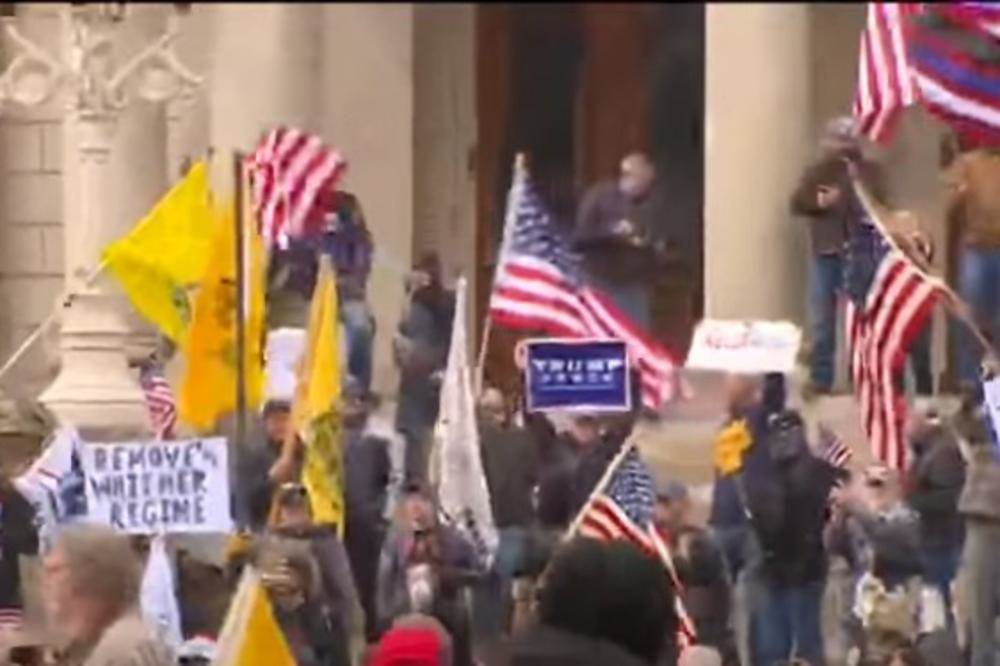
{"points": [[159, 400], [11, 619], [943, 55], [288, 171], [623, 510], [885, 85], [889, 305], [540, 286]]}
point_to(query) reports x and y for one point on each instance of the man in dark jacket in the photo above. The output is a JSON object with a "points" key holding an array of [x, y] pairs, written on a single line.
{"points": [[935, 482], [366, 480], [788, 508], [421, 352], [825, 197], [17, 537], [509, 463], [979, 505]]}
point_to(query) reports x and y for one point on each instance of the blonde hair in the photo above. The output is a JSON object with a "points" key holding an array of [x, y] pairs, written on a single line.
{"points": [[102, 565]]}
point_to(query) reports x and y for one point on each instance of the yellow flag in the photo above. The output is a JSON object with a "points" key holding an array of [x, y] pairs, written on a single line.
{"points": [[730, 445], [317, 404], [208, 388], [250, 634], [165, 254]]}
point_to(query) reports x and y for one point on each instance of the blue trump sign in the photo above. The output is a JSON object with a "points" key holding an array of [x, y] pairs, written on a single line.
{"points": [[581, 375]]}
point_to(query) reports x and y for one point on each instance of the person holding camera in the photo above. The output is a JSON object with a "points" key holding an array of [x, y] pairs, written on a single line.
{"points": [[423, 568]]}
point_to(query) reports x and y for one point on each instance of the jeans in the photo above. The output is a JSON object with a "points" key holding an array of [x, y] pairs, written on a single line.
{"points": [[787, 623], [982, 542], [359, 329], [940, 564], [920, 362], [493, 597], [978, 282], [825, 283]]}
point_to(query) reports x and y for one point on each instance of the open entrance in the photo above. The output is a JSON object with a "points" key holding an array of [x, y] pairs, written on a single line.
{"points": [[577, 86]]}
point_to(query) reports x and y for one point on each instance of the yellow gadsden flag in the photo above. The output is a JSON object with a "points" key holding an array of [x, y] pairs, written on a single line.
{"points": [[317, 403], [250, 635], [208, 388], [166, 253]]}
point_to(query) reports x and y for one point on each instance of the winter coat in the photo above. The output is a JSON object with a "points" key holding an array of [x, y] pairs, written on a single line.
{"points": [[935, 484], [18, 536], [547, 646], [511, 469]]}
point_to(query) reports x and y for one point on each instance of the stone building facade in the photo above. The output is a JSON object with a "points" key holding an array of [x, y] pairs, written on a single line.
{"points": [[393, 86]]}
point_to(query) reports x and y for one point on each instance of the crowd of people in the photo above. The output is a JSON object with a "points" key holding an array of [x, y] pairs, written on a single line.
{"points": [[909, 558]]}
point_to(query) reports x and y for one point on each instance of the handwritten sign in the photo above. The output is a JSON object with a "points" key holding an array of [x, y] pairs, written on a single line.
{"points": [[580, 375], [154, 487], [744, 346]]}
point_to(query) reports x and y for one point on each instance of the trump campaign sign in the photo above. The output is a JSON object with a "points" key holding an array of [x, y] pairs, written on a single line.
{"points": [[578, 375], [744, 346]]}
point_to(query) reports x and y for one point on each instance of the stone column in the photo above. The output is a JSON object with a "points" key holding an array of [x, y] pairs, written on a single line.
{"points": [[264, 73], [367, 92], [114, 171], [757, 140]]}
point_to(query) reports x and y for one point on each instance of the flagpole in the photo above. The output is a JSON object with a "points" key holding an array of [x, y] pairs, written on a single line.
{"points": [[598, 489], [954, 301], [520, 171], [66, 301], [241, 397]]}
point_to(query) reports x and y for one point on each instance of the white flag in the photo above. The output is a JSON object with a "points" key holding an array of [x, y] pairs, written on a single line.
{"points": [[462, 490], [49, 484], [157, 596]]}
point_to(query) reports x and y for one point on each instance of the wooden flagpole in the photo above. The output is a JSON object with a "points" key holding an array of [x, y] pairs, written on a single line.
{"points": [[241, 309], [954, 302], [520, 172]]}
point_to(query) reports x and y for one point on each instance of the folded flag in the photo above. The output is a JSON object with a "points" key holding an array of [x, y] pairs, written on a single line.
{"points": [[316, 411], [462, 487], [208, 386], [250, 634], [166, 254]]}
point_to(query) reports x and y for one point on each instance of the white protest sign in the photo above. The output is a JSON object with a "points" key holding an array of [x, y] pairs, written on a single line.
{"points": [[744, 346], [285, 347], [154, 487]]}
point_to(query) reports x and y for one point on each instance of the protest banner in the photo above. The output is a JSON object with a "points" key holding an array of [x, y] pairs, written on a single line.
{"points": [[159, 487], [577, 375], [744, 346]]}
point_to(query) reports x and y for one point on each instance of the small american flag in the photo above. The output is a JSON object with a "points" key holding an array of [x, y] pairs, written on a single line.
{"points": [[884, 315], [159, 401], [832, 448], [11, 619], [540, 286], [288, 171], [623, 510], [885, 84]]}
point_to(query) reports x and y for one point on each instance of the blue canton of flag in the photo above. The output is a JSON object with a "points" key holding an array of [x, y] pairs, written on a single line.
{"points": [[535, 234], [632, 489], [865, 250]]}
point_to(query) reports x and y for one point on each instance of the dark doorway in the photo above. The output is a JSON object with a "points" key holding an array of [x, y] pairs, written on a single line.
{"points": [[577, 86]]}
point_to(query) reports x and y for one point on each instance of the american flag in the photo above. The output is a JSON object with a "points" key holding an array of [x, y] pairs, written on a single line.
{"points": [[888, 307], [885, 84], [832, 448], [11, 619], [623, 510], [288, 171], [954, 49], [540, 286], [159, 401]]}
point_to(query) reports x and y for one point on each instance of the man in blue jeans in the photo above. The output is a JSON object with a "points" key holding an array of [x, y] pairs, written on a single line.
{"points": [[974, 213], [826, 198]]}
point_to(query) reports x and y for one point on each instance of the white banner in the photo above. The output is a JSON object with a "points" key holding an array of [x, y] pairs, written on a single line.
{"points": [[159, 487], [744, 346]]}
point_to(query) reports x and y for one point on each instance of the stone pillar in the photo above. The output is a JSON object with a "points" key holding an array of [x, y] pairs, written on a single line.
{"points": [[757, 109], [264, 73], [114, 171], [367, 94]]}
